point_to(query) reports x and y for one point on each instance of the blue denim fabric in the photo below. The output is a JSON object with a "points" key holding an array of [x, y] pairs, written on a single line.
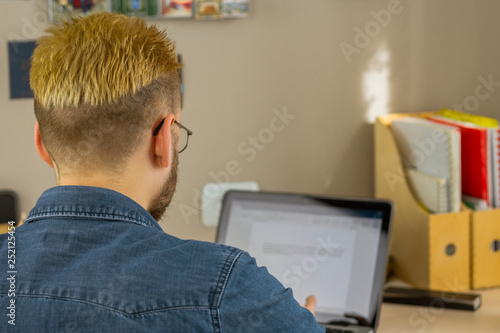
{"points": [[90, 259]]}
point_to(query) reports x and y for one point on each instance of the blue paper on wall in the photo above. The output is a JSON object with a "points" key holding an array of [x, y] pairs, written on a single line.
{"points": [[19, 68]]}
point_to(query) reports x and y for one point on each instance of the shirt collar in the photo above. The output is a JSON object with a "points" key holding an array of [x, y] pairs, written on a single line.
{"points": [[89, 202]]}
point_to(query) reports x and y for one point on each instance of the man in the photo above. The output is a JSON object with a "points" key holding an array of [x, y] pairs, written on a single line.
{"points": [[91, 256]]}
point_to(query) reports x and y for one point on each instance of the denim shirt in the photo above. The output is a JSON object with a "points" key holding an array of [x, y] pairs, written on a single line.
{"points": [[90, 259]]}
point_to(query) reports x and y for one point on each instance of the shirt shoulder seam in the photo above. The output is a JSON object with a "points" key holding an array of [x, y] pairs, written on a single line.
{"points": [[94, 217], [124, 313], [221, 284]]}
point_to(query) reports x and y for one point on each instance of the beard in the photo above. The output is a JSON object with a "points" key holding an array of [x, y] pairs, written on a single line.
{"points": [[162, 200]]}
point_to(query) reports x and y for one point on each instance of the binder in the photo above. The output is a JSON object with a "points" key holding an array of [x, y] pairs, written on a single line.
{"points": [[430, 191], [476, 158], [496, 166], [474, 203], [469, 118], [430, 251], [432, 149], [493, 128]]}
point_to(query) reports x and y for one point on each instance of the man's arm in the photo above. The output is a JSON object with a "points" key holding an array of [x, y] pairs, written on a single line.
{"points": [[254, 301]]}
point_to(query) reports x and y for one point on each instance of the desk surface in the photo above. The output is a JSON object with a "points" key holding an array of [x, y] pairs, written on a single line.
{"points": [[418, 319]]}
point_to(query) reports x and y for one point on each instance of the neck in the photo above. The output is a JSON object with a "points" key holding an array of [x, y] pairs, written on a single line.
{"points": [[136, 179], [130, 185]]}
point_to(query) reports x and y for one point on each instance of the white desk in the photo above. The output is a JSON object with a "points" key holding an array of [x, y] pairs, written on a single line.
{"points": [[397, 318]]}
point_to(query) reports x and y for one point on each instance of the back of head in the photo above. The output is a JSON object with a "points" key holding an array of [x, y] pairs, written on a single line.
{"points": [[100, 82]]}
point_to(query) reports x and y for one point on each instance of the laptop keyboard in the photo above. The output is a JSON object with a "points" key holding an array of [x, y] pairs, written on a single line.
{"points": [[338, 330]]}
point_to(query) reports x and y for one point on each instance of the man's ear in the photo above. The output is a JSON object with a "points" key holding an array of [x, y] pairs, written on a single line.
{"points": [[162, 143], [40, 147]]}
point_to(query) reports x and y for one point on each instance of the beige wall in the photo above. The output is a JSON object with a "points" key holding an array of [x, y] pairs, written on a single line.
{"points": [[287, 56]]}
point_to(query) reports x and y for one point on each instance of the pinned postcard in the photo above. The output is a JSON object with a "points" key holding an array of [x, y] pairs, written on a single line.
{"points": [[139, 8], [66, 9], [177, 8], [234, 8], [208, 10]]}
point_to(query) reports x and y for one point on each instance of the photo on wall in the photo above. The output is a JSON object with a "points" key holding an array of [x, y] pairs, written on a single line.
{"points": [[234, 8], [66, 9], [208, 10], [177, 8], [60, 10], [139, 8]]}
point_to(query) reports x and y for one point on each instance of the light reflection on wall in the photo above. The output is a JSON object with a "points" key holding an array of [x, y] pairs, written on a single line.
{"points": [[376, 85]]}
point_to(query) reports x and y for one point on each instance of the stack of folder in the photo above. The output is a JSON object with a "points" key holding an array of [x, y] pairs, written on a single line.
{"points": [[479, 136], [427, 163], [431, 155]]}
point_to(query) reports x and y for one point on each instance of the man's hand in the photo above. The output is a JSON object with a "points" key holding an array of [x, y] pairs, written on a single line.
{"points": [[310, 303]]}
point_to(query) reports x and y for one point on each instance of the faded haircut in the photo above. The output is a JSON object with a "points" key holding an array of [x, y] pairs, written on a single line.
{"points": [[99, 83]]}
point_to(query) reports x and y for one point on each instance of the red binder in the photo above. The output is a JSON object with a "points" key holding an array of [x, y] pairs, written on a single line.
{"points": [[496, 168], [474, 145]]}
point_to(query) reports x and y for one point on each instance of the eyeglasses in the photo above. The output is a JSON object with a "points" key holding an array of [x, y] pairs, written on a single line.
{"points": [[183, 135]]}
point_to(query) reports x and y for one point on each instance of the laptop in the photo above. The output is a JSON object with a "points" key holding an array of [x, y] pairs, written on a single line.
{"points": [[331, 247]]}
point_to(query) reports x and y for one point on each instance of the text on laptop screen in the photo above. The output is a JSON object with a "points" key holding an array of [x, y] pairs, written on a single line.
{"points": [[329, 252]]}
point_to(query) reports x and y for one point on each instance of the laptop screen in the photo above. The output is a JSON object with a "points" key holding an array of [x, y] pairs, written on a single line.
{"points": [[330, 248]]}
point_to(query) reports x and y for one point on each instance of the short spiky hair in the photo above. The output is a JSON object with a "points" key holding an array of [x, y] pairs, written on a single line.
{"points": [[104, 76], [111, 55]]}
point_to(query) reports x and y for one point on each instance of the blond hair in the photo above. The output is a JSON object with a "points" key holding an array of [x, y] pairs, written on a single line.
{"points": [[99, 82]]}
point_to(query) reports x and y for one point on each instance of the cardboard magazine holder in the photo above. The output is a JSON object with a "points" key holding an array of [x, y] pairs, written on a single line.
{"points": [[485, 249], [430, 251]]}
